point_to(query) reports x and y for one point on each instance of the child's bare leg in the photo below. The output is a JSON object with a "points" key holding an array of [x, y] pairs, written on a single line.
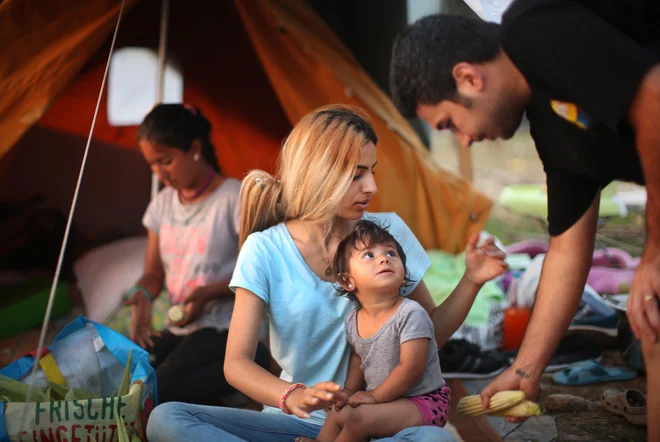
{"points": [[380, 420], [332, 426]]}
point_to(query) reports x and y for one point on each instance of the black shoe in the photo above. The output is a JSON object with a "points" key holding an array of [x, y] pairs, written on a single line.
{"points": [[462, 359], [572, 350]]}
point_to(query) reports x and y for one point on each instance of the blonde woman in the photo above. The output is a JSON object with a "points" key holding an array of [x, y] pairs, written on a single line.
{"points": [[290, 228]]}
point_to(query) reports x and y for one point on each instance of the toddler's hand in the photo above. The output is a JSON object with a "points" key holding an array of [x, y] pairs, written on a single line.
{"points": [[341, 403], [359, 398], [485, 262]]}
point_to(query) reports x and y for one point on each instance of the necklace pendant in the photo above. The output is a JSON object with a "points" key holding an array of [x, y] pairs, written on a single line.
{"points": [[328, 271]]}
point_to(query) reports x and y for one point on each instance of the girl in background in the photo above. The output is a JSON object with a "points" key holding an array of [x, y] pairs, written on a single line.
{"points": [[192, 248]]}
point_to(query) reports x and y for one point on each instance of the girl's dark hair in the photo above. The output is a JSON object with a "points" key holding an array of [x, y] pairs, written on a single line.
{"points": [[365, 234], [178, 126]]}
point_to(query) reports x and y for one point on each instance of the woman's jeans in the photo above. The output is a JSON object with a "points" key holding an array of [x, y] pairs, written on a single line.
{"points": [[179, 422]]}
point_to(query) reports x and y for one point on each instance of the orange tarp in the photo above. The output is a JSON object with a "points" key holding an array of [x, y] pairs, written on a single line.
{"points": [[309, 67], [254, 67], [222, 76], [43, 45]]}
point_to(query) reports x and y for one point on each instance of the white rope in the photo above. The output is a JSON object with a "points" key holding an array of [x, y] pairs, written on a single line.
{"points": [[162, 50], [58, 269], [162, 55]]}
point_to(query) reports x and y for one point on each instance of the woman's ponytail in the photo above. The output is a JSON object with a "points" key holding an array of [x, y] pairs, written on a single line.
{"points": [[261, 203]]}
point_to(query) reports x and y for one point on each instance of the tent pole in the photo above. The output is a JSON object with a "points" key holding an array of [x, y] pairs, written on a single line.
{"points": [[162, 55], [465, 165]]}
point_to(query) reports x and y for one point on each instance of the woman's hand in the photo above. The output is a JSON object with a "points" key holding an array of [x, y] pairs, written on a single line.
{"points": [[141, 329], [193, 306], [361, 397], [485, 262], [303, 401]]}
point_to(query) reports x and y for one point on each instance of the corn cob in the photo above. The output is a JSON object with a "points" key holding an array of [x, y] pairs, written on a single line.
{"points": [[175, 313], [471, 405], [523, 409]]}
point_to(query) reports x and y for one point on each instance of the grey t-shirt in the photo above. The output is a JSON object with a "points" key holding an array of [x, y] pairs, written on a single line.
{"points": [[380, 352], [198, 246]]}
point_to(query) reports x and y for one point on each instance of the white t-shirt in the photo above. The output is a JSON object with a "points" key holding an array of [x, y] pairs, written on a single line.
{"points": [[198, 246], [306, 315]]}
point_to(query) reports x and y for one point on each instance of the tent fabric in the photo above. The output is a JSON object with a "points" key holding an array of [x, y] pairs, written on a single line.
{"points": [[309, 67], [43, 45], [222, 76], [253, 67]]}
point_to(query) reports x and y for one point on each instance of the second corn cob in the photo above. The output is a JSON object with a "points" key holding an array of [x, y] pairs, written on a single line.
{"points": [[472, 405], [522, 409]]}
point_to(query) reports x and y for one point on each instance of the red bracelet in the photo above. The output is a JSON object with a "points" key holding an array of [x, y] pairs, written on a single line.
{"points": [[286, 394]]}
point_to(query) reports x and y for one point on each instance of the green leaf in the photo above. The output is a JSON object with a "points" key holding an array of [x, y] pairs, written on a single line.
{"points": [[10, 396], [122, 434], [59, 390], [126, 380], [9, 386], [82, 394], [70, 395]]}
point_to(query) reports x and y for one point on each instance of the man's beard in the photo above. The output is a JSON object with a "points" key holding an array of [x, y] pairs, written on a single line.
{"points": [[507, 117]]}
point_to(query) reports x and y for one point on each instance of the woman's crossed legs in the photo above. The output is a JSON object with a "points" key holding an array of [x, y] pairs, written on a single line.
{"points": [[179, 422]]}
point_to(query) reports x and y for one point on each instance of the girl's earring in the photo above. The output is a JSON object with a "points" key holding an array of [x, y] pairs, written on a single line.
{"points": [[196, 157]]}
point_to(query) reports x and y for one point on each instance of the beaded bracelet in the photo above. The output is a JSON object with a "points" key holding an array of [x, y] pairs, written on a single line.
{"points": [[286, 394], [143, 290]]}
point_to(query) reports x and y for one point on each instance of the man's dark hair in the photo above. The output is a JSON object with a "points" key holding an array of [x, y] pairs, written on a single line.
{"points": [[425, 53], [365, 235]]}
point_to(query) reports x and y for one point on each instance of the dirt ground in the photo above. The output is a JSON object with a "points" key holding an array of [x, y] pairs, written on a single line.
{"points": [[585, 420]]}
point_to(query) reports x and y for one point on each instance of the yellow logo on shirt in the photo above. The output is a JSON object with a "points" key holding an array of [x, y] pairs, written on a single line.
{"points": [[570, 112]]}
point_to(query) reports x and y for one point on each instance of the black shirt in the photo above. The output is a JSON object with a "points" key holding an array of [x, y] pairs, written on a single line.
{"points": [[583, 61]]}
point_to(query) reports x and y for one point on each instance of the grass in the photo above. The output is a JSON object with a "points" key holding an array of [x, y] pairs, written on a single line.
{"points": [[627, 233]]}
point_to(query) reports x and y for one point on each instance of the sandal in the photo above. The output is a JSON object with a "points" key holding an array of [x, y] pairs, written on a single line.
{"points": [[630, 404], [590, 372]]}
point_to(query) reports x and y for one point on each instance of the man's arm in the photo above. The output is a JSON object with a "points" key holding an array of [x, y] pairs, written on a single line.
{"points": [[644, 297], [644, 116], [562, 282], [564, 274]]}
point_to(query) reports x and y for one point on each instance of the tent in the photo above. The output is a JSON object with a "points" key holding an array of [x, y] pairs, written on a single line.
{"points": [[253, 67]]}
